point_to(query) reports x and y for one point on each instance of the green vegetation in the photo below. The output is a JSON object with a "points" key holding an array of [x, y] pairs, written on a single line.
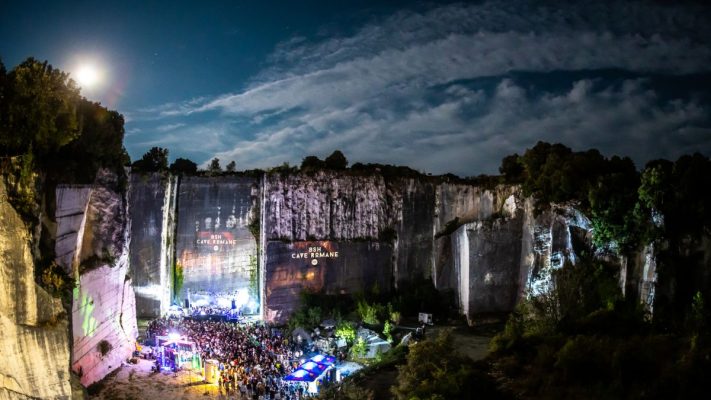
{"points": [[583, 339], [254, 275], [55, 280], [345, 330], [214, 168], [434, 371], [369, 313], [155, 160], [39, 109], [50, 134], [606, 189], [336, 161], [178, 279], [183, 166]]}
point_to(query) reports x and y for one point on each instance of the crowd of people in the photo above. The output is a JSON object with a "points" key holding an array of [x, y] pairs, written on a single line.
{"points": [[252, 358]]}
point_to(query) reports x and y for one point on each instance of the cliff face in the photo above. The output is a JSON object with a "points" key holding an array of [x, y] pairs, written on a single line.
{"points": [[487, 245], [94, 225], [328, 205], [459, 204], [34, 344], [152, 215]]}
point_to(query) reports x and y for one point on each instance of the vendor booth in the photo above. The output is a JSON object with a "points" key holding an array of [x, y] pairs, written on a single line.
{"points": [[312, 372]]}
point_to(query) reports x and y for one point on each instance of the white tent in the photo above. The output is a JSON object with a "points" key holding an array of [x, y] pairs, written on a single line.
{"points": [[375, 344]]}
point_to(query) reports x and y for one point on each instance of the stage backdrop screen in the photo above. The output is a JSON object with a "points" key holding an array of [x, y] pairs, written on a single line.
{"points": [[328, 266], [215, 250]]}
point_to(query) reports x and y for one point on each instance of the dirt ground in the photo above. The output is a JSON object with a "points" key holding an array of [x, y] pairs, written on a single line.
{"points": [[138, 382]]}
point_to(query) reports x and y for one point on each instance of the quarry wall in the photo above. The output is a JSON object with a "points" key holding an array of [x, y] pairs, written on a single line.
{"points": [[93, 231], [333, 231], [486, 244], [34, 340], [152, 219]]}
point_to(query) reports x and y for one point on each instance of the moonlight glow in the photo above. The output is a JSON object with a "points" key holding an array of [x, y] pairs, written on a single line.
{"points": [[88, 75]]}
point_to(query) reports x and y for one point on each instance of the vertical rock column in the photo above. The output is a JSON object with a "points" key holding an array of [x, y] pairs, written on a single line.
{"points": [[34, 346], [103, 302]]}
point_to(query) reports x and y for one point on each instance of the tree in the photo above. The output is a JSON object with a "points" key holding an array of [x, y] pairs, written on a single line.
{"points": [[433, 371], [156, 159], [183, 166], [214, 167], [612, 200], [511, 168], [336, 160], [99, 145], [39, 109], [231, 166], [312, 162]]}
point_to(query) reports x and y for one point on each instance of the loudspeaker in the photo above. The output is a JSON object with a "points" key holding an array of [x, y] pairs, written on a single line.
{"points": [[187, 303], [234, 304]]}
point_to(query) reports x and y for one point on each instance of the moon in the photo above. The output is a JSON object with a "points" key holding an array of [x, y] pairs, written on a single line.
{"points": [[88, 75]]}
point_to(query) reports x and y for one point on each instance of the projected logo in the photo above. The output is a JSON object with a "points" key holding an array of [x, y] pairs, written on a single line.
{"points": [[216, 241], [314, 253]]}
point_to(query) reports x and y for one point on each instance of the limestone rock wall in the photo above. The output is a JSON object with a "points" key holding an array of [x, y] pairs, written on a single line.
{"points": [[414, 212], [465, 203], [489, 277], [152, 200], [215, 242], [34, 344], [505, 250], [326, 206], [104, 310], [103, 300], [549, 239]]}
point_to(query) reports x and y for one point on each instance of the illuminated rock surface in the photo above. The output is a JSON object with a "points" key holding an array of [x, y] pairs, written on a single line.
{"points": [[152, 213], [34, 344], [103, 302]]}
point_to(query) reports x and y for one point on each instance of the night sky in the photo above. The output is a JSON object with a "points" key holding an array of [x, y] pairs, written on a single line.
{"points": [[441, 87]]}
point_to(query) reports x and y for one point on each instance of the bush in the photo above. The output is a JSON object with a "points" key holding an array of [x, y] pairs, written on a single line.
{"points": [[368, 313], [345, 330], [433, 372]]}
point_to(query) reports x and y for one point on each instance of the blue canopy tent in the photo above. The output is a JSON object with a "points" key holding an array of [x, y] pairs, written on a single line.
{"points": [[321, 359], [312, 371], [314, 367], [301, 375]]}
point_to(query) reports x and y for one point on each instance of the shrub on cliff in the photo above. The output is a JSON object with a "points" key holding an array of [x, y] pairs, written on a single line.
{"points": [[336, 161], [154, 160], [183, 166]]}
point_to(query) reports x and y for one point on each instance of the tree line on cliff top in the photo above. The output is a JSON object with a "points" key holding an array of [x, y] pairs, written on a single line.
{"points": [[46, 125]]}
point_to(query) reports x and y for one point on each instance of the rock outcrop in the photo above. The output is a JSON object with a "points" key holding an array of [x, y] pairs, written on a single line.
{"points": [[152, 214], [34, 340], [94, 229]]}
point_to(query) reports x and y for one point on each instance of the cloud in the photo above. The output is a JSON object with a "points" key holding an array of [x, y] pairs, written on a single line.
{"points": [[470, 131], [169, 127], [436, 89]]}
